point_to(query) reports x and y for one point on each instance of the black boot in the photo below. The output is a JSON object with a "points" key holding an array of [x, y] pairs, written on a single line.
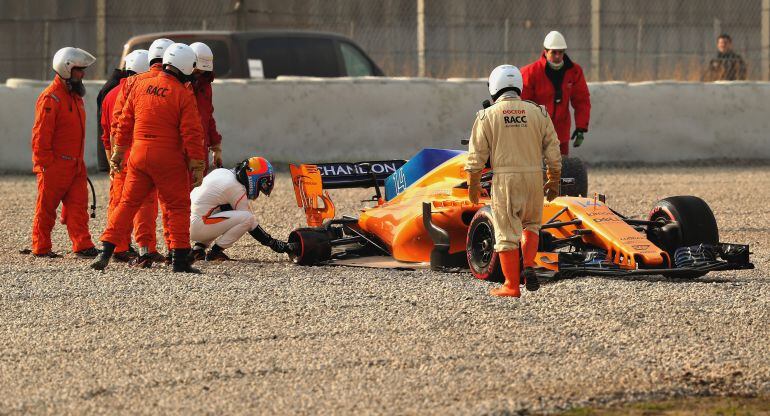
{"points": [[50, 255], [89, 253], [104, 257], [531, 282], [198, 252], [125, 256], [216, 254], [181, 261], [157, 257]]}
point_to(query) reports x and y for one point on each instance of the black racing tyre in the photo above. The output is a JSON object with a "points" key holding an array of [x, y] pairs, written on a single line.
{"points": [[573, 167], [483, 260], [313, 246], [696, 225]]}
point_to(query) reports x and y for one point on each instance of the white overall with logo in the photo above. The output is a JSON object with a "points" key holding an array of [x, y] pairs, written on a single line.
{"points": [[207, 220]]}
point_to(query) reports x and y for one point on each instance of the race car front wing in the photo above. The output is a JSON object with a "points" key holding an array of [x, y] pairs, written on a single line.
{"points": [[730, 257]]}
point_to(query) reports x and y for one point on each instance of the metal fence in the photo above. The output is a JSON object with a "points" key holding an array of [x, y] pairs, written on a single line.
{"points": [[628, 40]]}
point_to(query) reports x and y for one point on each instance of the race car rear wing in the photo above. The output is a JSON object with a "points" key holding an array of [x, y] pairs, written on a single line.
{"points": [[356, 175], [311, 182]]}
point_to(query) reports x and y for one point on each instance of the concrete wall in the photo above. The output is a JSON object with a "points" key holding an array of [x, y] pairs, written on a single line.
{"points": [[355, 119]]}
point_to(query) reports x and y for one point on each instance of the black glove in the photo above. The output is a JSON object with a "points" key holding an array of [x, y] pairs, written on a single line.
{"points": [[281, 246], [577, 136], [265, 239]]}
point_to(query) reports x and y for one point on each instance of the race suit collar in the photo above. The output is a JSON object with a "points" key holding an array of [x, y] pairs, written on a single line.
{"points": [[567, 61], [508, 96]]}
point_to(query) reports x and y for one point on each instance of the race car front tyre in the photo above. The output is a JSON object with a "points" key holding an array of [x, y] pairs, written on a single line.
{"points": [[688, 221], [483, 260], [313, 246]]}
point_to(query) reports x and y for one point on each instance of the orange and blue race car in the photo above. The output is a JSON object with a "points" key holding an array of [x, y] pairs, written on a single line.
{"points": [[424, 219]]}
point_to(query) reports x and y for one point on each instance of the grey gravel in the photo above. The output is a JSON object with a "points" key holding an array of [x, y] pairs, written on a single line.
{"points": [[261, 335]]}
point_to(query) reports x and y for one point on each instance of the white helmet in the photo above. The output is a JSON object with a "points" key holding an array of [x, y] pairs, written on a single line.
{"points": [[158, 48], [554, 40], [181, 57], [137, 61], [504, 77], [67, 58], [204, 55]]}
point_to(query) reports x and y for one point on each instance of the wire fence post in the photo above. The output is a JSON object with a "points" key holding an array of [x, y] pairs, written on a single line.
{"points": [[595, 39], [506, 47], [420, 38], [46, 50], [101, 38], [765, 43]]}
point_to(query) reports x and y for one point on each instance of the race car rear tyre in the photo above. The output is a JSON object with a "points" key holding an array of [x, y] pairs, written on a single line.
{"points": [[483, 260], [695, 225], [313, 246], [573, 167]]}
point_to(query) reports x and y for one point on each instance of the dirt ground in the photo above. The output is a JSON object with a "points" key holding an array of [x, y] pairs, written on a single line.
{"points": [[683, 406], [260, 335]]}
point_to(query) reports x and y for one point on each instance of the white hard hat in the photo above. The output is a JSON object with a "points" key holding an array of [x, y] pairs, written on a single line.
{"points": [[181, 57], [204, 55], [67, 58], [137, 61], [554, 40], [504, 77], [158, 48]]}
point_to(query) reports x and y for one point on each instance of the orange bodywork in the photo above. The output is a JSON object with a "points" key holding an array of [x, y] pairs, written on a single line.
{"points": [[626, 247], [398, 223]]}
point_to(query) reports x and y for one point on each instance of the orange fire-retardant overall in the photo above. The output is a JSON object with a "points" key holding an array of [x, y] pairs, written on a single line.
{"points": [[166, 133], [58, 140], [144, 221], [120, 101]]}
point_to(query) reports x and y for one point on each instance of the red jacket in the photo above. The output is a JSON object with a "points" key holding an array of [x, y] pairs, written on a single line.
{"points": [[538, 88], [204, 96], [59, 128], [108, 105]]}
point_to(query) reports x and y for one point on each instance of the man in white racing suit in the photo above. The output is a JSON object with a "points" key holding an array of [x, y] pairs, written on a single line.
{"points": [[220, 211]]}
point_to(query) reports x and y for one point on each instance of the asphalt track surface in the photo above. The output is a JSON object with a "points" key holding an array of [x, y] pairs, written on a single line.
{"points": [[260, 335]]}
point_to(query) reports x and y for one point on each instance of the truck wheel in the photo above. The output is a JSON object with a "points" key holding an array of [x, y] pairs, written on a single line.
{"points": [[313, 246], [482, 257], [573, 167], [695, 224]]}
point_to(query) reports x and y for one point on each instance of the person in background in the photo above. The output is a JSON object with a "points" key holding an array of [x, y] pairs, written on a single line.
{"points": [[728, 65], [555, 81]]}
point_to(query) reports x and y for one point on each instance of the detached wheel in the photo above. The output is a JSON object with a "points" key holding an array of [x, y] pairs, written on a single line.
{"points": [[482, 258], [688, 221], [573, 167], [313, 246]]}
